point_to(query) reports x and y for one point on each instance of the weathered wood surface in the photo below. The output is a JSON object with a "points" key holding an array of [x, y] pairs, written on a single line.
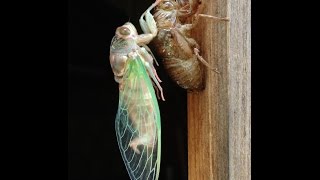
{"points": [[219, 117], [240, 90]]}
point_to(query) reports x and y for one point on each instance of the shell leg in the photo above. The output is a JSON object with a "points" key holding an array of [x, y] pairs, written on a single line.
{"points": [[203, 61], [199, 6], [187, 43], [214, 17]]}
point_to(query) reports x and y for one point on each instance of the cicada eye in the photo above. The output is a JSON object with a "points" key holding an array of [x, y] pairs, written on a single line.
{"points": [[167, 5], [124, 31]]}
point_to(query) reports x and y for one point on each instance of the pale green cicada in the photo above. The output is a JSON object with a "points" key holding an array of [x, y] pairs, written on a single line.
{"points": [[137, 124]]}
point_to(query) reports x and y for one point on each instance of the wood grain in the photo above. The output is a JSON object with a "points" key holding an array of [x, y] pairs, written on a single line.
{"points": [[219, 117], [240, 90]]}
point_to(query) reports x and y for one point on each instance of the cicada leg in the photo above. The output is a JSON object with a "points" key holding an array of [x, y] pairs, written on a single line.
{"points": [[148, 61], [147, 22]]}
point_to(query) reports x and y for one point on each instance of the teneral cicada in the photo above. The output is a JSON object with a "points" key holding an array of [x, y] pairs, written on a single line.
{"points": [[137, 123], [177, 49]]}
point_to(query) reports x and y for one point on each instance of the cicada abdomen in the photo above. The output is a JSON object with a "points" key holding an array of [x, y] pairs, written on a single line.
{"points": [[176, 47], [138, 127]]}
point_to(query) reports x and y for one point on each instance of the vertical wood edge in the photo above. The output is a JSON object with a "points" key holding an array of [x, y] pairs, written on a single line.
{"points": [[240, 90]]}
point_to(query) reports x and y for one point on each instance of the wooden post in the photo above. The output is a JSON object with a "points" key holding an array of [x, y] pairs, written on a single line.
{"points": [[219, 117]]}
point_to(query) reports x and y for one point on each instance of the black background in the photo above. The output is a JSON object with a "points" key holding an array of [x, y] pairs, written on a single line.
{"points": [[93, 152]]}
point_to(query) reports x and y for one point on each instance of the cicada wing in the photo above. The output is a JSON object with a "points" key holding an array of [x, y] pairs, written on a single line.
{"points": [[138, 123]]}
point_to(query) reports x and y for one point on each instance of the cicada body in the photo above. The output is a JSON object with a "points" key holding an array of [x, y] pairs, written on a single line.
{"points": [[137, 123], [178, 50]]}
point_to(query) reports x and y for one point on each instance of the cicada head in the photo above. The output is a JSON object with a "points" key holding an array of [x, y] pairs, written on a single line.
{"points": [[124, 40], [126, 31]]}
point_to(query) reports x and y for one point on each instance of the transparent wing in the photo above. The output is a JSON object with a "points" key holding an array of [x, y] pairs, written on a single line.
{"points": [[138, 123]]}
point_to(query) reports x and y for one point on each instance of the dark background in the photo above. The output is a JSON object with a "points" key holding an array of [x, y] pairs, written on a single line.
{"points": [[93, 152]]}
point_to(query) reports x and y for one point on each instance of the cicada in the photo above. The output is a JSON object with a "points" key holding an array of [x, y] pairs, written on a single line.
{"points": [[176, 47], [137, 123]]}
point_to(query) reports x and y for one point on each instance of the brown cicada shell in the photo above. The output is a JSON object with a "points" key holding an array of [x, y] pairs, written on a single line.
{"points": [[175, 46]]}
